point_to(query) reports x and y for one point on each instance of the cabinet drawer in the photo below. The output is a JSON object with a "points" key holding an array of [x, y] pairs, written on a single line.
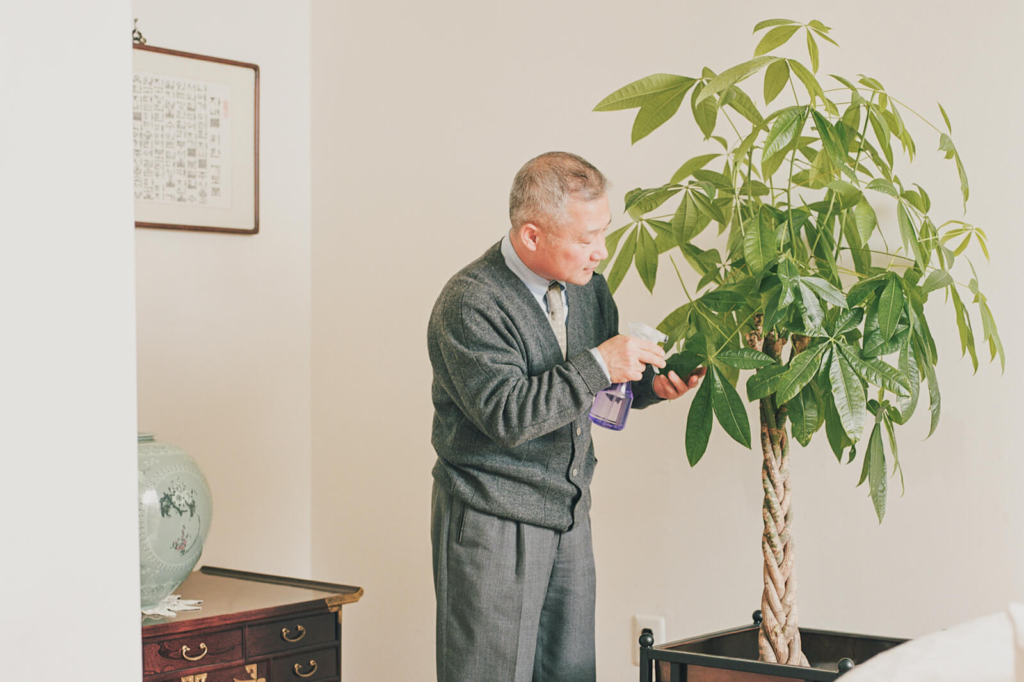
{"points": [[309, 666], [285, 635], [239, 672], [191, 651]]}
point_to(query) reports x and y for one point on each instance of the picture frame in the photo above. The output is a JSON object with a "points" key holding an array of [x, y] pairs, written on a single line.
{"points": [[195, 129]]}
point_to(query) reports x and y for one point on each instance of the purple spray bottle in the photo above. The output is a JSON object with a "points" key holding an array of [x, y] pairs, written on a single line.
{"points": [[611, 406]]}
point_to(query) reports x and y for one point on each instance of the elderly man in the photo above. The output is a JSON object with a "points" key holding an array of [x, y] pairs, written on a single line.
{"points": [[520, 341]]}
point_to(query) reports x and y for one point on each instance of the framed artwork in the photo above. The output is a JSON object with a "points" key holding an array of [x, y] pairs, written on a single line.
{"points": [[195, 130]]}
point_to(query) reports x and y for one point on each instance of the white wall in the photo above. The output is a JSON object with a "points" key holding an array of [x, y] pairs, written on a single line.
{"points": [[223, 319], [67, 344], [421, 116]]}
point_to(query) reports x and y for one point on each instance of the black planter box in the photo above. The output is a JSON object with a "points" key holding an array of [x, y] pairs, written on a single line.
{"points": [[731, 656]]}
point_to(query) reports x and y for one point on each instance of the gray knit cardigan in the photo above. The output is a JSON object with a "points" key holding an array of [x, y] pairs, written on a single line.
{"points": [[511, 427]]}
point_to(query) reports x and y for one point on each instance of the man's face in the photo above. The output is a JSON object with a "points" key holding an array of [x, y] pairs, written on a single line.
{"points": [[570, 253]]}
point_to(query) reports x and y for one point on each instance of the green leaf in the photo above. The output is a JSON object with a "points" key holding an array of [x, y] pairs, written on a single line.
{"points": [[809, 81], [645, 201], [945, 118], [734, 75], [882, 133], [851, 86], [705, 112], [812, 51], [866, 219], [825, 290], [877, 372], [813, 315], [871, 83], [759, 248], [936, 279], [773, 22], [991, 334], [611, 243], [639, 92], [890, 306], [622, 263], [909, 369], [723, 300], [815, 24], [664, 237], [860, 291], [774, 311], [963, 323], [708, 208], [698, 423], [848, 394], [874, 344], [656, 111], [909, 235], [946, 145], [647, 258], [889, 412], [848, 320], [686, 221], [764, 382], [825, 36], [850, 194], [837, 438], [717, 179], [694, 164], [884, 186], [741, 102], [775, 38], [729, 408], [775, 79], [683, 364], [877, 478], [802, 369], [803, 412], [830, 140], [934, 394], [745, 358], [787, 128], [675, 324]]}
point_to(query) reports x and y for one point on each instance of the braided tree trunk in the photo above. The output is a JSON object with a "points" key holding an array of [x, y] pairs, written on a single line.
{"points": [[779, 637]]}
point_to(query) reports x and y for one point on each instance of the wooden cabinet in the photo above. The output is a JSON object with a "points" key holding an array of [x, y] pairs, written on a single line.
{"points": [[253, 627]]}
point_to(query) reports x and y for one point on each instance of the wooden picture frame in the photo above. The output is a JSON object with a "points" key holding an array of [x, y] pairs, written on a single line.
{"points": [[195, 123]]}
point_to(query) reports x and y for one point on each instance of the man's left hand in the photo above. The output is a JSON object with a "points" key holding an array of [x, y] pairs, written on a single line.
{"points": [[670, 386]]}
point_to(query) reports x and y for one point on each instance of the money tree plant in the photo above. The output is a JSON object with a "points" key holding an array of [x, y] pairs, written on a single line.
{"points": [[820, 281]]}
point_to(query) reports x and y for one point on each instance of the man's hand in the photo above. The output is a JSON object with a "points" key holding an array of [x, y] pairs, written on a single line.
{"points": [[626, 357], [670, 386]]}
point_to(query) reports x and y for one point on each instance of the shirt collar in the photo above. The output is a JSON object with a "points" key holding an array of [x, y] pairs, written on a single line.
{"points": [[535, 283]]}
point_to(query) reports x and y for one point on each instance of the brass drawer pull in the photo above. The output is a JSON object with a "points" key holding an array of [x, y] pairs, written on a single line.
{"points": [[301, 630], [310, 673], [185, 650]]}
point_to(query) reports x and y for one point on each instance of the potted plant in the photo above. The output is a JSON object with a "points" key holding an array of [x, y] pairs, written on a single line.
{"points": [[810, 287]]}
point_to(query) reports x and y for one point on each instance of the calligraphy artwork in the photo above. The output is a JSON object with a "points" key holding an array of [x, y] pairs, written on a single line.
{"points": [[195, 141], [181, 137]]}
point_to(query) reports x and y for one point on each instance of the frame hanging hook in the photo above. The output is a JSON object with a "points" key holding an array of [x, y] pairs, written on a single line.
{"points": [[137, 37]]}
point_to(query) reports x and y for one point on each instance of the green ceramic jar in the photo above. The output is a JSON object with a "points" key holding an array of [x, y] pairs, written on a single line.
{"points": [[175, 511]]}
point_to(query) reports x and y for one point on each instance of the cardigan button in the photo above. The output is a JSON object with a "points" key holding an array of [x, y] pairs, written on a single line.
{"points": [[578, 430], [575, 472]]}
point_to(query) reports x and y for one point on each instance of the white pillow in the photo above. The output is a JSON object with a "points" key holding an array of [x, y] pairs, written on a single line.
{"points": [[989, 649]]}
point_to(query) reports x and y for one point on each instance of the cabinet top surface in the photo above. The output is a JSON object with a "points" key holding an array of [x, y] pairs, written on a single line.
{"points": [[232, 596]]}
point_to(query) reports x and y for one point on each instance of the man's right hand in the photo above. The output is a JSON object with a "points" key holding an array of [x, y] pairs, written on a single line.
{"points": [[626, 357]]}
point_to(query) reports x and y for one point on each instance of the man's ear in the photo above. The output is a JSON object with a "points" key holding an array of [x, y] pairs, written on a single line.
{"points": [[529, 234]]}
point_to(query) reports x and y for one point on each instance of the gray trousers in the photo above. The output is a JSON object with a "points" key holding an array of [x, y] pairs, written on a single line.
{"points": [[515, 602]]}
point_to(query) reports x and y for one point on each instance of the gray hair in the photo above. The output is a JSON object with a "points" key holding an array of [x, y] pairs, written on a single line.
{"points": [[543, 186]]}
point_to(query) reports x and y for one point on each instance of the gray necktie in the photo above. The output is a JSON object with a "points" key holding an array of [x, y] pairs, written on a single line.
{"points": [[556, 314]]}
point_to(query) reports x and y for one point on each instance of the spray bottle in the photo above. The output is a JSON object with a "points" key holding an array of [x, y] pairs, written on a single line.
{"points": [[611, 406]]}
